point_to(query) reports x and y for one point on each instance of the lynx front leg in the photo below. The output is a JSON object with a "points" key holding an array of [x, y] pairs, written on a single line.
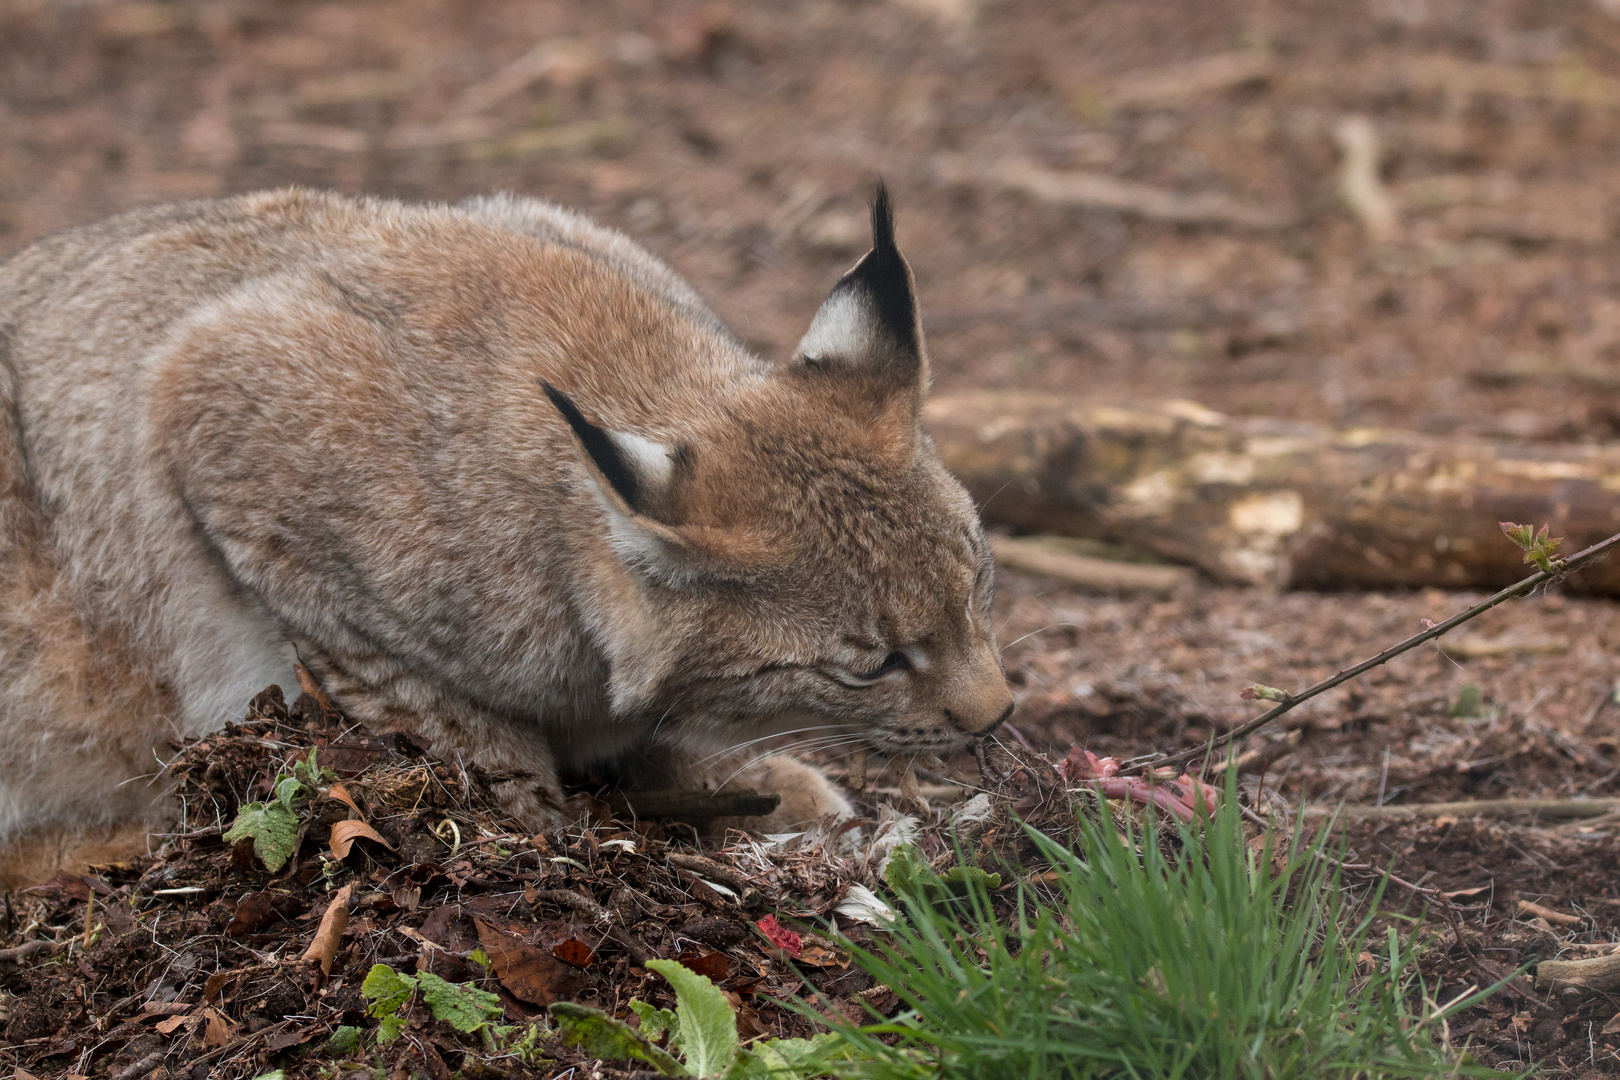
{"points": [[809, 799], [384, 695]]}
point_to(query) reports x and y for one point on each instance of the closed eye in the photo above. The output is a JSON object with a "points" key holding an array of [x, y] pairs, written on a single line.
{"points": [[859, 680]]}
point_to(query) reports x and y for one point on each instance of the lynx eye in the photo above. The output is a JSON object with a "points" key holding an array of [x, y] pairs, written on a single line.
{"points": [[860, 680]]}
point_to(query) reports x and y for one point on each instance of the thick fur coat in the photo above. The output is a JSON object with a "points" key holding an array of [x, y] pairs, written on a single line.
{"points": [[494, 473]]}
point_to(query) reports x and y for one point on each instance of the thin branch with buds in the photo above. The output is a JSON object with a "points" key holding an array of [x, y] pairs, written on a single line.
{"points": [[1553, 568]]}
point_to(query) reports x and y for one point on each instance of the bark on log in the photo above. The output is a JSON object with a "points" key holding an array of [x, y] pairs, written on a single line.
{"points": [[1267, 502], [1597, 975]]}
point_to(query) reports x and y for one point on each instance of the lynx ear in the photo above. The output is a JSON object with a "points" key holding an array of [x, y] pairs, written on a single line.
{"points": [[637, 470], [869, 326], [636, 480]]}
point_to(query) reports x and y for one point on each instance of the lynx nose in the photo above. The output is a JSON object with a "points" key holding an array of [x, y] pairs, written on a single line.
{"points": [[981, 727], [983, 707]]}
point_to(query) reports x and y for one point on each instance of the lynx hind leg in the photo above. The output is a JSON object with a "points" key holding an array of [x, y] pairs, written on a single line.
{"points": [[33, 857], [383, 695]]}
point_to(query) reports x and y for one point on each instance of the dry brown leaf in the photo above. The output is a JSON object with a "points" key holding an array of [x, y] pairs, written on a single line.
{"points": [[307, 683], [528, 973], [714, 966], [173, 1023], [345, 833], [1613, 1026], [573, 951], [341, 794], [330, 934], [220, 1030], [254, 911], [22, 1074], [818, 952], [1467, 894]]}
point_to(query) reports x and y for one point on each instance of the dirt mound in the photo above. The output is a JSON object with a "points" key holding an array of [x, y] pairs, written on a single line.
{"points": [[194, 958]]}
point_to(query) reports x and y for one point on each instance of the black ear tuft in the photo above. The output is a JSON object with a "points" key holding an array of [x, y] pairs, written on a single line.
{"points": [[887, 280], [882, 219], [599, 446]]}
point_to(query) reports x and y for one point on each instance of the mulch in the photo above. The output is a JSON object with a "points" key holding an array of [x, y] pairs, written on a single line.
{"points": [[191, 959]]}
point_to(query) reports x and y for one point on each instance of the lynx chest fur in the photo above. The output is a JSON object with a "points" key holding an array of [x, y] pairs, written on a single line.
{"points": [[494, 473]]}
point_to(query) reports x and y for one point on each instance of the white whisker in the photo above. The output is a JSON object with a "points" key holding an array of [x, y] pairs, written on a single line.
{"points": [[1042, 630], [734, 747]]}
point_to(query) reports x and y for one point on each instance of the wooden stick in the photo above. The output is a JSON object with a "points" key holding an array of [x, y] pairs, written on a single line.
{"points": [[1552, 916], [27, 949], [1072, 187], [1559, 569], [1043, 555], [1500, 809]]}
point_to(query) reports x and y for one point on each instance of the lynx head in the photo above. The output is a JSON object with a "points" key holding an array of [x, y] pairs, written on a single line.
{"points": [[800, 558]]}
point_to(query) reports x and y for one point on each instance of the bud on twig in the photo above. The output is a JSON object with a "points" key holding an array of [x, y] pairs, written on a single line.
{"points": [[1263, 693], [1538, 548]]}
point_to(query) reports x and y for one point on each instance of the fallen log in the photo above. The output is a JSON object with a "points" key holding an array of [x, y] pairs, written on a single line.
{"points": [[1593, 976], [1266, 502]]}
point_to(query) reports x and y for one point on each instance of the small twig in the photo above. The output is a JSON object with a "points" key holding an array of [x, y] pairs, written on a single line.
{"points": [[1438, 630], [578, 901], [146, 1065], [1429, 891], [1530, 907], [29, 948], [703, 867]]}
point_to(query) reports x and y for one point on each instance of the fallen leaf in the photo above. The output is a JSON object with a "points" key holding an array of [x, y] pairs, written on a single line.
{"points": [[220, 1030], [1445, 821], [820, 953], [780, 936], [408, 897], [573, 951], [712, 966], [1613, 1026], [528, 973], [214, 985], [254, 911], [345, 833], [64, 886], [22, 1074], [307, 683], [169, 1026], [341, 794], [285, 1039], [1467, 894], [330, 933]]}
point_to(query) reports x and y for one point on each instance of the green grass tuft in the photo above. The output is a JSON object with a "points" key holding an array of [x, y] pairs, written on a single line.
{"points": [[1210, 963]]}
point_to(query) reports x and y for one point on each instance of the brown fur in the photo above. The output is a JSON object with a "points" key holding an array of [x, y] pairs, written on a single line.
{"points": [[230, 430]]}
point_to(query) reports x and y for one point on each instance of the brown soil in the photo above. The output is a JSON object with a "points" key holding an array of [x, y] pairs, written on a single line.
{"points": [[1127, 677], [739, 143]]}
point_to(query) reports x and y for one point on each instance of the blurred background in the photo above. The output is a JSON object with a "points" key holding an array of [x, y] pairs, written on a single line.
{"points": [[1390, 212]]}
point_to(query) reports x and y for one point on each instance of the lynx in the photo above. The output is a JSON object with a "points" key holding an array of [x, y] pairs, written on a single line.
{"points": [[495, 474]]}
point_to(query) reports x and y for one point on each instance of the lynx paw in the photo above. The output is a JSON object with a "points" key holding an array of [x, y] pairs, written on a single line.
{"points": [[810, 802], [523, 800]]}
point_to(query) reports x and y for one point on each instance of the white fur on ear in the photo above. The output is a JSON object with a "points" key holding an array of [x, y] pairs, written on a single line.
{"points": [[842, 330], [651, 462], [869, 326]]}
